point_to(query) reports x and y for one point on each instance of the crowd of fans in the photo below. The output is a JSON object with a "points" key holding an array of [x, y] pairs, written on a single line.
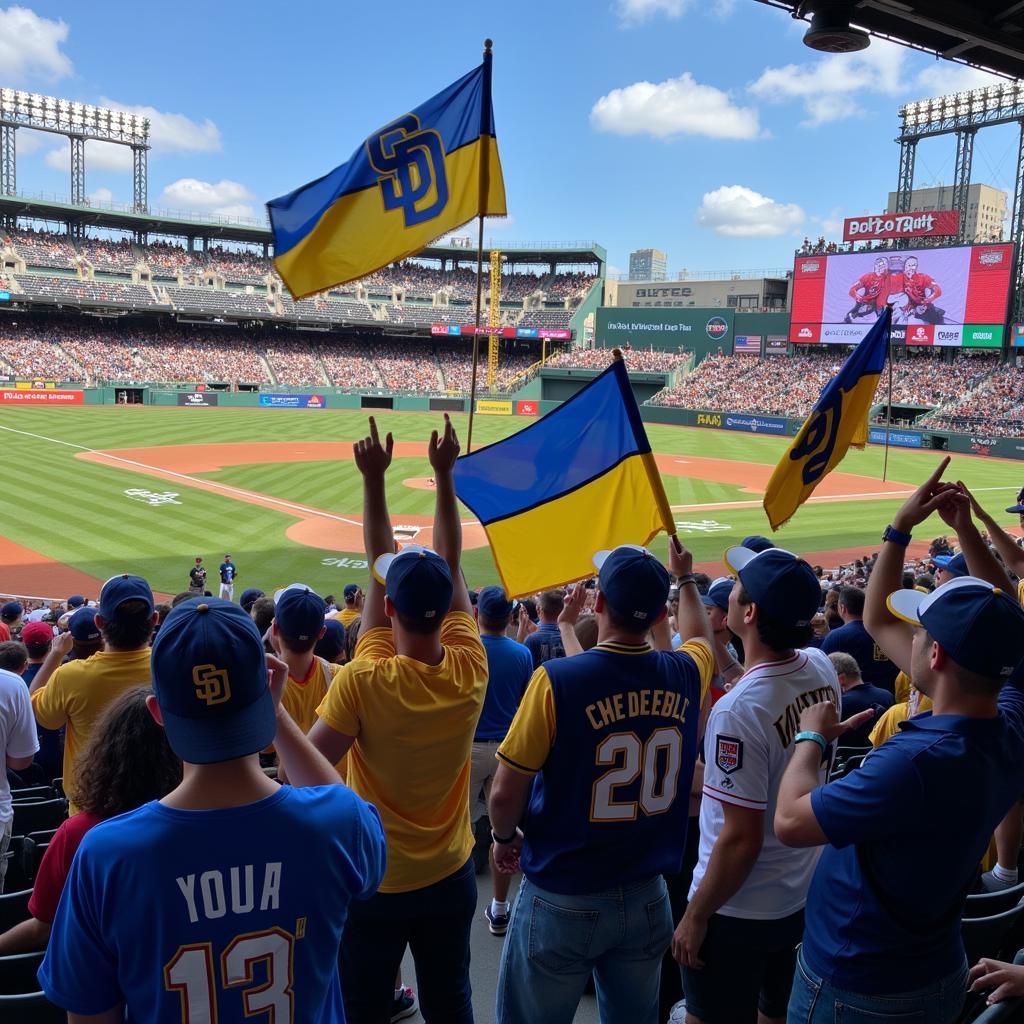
{"points": [[995, 407], [638, 359]]}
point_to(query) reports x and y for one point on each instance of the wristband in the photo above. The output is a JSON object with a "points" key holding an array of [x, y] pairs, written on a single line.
{"points": [[686, 578], [896, 536], [815, 737], [503, 842]]}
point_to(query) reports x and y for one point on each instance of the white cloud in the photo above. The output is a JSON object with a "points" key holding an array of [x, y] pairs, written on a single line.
{"points": [[27, 141], [738, 212], [30, 46], [103, 156], [173, 133], [634, 12], [831, 223], [101, 195], [945, 77], [677, 106], [228, 199]]}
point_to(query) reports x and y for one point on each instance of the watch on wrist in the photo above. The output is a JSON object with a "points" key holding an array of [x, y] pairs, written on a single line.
{"points": [[896, 536], [500, 841]]}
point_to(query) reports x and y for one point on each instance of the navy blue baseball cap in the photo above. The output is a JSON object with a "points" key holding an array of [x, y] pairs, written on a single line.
{"points": [[210, 679], [718, 593], [332, 643], [11, 610], [978, 625], [782, 584], [299, 612], [119, 589], [418, 581], [493, 602], [955, 565], [76, 601], [756, 543], [633, 581], [82, 626], [351, 589], [1019, 507], [250, 597]]}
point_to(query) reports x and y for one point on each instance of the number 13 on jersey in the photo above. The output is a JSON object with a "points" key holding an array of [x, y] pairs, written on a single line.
{"points": [[192, 974]]}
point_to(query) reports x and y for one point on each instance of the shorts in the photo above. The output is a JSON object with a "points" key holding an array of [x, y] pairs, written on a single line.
{"points": [[482, 766], [748, 966]]}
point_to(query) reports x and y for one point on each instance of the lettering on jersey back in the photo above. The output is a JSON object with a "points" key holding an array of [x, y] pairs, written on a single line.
{"points": [[215, 896], [787, 725], [637, 704]]}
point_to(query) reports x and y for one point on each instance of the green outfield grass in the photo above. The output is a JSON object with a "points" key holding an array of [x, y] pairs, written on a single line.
{"points": [[77, 513]]}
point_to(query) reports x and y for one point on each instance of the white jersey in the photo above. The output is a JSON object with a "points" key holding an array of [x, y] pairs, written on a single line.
{"points": [[747, 744]]}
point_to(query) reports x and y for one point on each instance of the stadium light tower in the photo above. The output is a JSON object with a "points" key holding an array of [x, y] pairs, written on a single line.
{"points": [[78, 122]]}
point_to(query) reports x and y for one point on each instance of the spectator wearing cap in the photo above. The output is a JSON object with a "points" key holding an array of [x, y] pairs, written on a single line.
{"points": [[249, 598], [75, 602], [949, 567], [727, 668], [756, 543], [509, 667], [545, 643], [38, 639], [331, 646], [298, 625], [738, 937], [10, 619], [74, 695], [353, 605], [197, 578], [853, 639], [599, 830], [858, 696], [903, 834], [262, 872], [86, 638], [405, 710], [18, 745]]}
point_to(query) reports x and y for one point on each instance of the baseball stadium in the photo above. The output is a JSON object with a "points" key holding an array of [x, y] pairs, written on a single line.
{"points": [[182, 390]]}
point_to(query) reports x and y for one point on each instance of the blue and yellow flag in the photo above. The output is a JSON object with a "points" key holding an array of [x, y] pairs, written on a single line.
{"points": [[838, 422], [423, 174], [578, 481]]}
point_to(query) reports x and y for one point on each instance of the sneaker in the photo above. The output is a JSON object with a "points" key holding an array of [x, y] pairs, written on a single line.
{"points": [[404, 1005], [678, 1013], [990, 883], [497, 923]]}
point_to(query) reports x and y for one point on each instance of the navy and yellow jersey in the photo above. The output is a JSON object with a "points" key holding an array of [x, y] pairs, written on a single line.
{"points": [[611, 738], [220, 915]]}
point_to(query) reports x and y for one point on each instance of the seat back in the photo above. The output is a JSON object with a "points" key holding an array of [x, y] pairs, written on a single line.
{"points": [[13, 910], [19, 874], [34, 793], [986, 936], [985, 904], [18, 973], [33, 1008], [44, 814]]}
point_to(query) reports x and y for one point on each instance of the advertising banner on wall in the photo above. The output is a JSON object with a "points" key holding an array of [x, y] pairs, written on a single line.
{"points": [[293, 401], [920, 224], [897, 438], [527, 408], [754, 424], [198, 399], [665, 329], [51, 396], [776, 345], [490, 407]]}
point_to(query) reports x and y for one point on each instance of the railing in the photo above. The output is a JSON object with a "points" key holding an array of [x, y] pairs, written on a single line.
{"points": [[707, 275]]}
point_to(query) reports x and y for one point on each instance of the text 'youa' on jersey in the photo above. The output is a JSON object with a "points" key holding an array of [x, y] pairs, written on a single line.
{"points": [[215, 917], [610, 736]]}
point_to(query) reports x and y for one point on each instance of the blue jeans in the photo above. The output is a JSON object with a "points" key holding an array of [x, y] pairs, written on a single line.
{"points": [[434, 922], [816, 1001], [554, 942]]}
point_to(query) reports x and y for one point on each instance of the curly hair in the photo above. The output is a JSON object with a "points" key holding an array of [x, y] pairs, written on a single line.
{"points": [[127, 761]]}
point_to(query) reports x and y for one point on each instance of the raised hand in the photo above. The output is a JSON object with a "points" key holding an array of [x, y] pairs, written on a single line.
{"points": [[443, 453], [925, 500], [575, 599], [680, 559], [955, 510], [824, 719], [373, 458]]}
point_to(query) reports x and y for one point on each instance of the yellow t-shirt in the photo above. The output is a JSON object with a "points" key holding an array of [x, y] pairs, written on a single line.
{"points": [[889, 724], [532, 733], [902, 687], [78, 693], [1020, 592], [413, 726], [346, 616], [301, 698]]}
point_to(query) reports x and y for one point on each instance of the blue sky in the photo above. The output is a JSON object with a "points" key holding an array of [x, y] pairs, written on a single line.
{"points": [[701, 127]]}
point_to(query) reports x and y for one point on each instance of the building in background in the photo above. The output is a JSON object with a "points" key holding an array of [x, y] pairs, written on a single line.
{"points": [[648, 265], [986, 209], [748, 291]]}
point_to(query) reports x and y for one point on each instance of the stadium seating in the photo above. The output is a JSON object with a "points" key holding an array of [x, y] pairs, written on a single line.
{"points": [[43, 248], [30, 1008], [13, 910]]}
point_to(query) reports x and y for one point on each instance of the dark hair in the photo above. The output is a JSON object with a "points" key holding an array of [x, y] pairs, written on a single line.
{"points": [[13, 655], [352, 637], [623, 623], [552, 602], [130, 627], [83, 649], [127, 760], [329, 600], [586, 631], [419, 627], [703, 581], [926, 580], [853, 598], [967, 679], [38, 650], [295, 645], [498, 625], [774, 635], [162, 611], [262, 613], [185, 595]]}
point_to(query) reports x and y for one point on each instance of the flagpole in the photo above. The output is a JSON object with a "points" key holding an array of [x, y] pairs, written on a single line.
{"points": [[888, 410], [484, 182]]}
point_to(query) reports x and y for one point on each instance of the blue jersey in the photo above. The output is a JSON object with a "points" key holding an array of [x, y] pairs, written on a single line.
{"points": [[509, 667], [854, 639], [194, 917], [611, 738], [546, 644], [227, 572]]}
